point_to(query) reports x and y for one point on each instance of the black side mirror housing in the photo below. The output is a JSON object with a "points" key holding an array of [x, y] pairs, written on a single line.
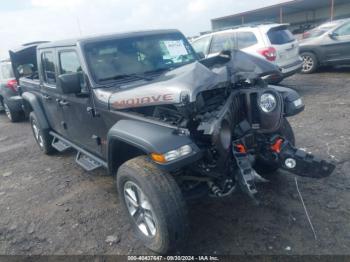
{"points": [[69, 83], [333, 35]]}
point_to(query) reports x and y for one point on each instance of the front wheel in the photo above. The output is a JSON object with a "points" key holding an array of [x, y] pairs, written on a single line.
{"points": [[154, 204], [266, 169]]}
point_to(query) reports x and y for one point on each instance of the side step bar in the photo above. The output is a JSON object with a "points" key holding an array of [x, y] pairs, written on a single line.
{"points": [[85, 159], [59, 145]]}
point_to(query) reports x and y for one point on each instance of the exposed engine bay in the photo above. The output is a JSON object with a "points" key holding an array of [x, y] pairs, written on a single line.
{"points": [[232, 115]]}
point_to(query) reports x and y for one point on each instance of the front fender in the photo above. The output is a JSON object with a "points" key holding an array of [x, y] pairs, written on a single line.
{"points": [[290, 96], [37, 108], [148, 138]]}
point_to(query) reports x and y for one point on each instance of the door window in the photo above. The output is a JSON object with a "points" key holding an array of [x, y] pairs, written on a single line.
{"points": [[69, 63], [344, 30], [202, 45], [49, 73], [6, 70], [222, 42], [245, 39]]}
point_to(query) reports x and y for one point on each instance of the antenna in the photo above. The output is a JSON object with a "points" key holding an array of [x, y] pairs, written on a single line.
{"points": [[79, 27]]}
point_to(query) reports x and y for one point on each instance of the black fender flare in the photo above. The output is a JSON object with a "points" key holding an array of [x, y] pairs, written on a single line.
{"points": [[37, 108], [289, 96], [146, 138]]}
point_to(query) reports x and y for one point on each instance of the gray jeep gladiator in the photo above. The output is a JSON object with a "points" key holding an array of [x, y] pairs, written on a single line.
{"points": [[168, 126]]}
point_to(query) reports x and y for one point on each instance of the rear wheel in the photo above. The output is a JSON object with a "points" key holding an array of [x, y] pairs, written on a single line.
{"points": [[266, 169], [42, 136], [154, 204], [13, 116], [310, 63]]}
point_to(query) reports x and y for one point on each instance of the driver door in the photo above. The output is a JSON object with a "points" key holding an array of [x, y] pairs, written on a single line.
{"points": [[82, 125]]}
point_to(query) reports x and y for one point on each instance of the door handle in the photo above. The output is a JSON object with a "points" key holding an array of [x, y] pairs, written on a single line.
{"points": [[46, 97]]}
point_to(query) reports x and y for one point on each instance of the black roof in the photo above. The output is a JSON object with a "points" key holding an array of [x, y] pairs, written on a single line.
{"points": [[73, 42]]}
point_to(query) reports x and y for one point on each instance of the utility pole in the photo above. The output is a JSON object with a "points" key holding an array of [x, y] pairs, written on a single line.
{"points": [[78, 24], [281, 15], [332, 10]]}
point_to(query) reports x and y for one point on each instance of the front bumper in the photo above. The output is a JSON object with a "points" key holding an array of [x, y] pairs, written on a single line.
{"points": [[303, 164], [278, 151]]}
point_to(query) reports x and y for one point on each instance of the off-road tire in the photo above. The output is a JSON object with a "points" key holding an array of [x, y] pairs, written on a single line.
{"points": [[165, 197], [310, 63], [43, 138], [13, 116], [267, 170]]}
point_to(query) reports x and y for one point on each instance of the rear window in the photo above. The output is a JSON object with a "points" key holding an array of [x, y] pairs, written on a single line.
{"points": [[280, 36], [245, 39], [6, 71]]}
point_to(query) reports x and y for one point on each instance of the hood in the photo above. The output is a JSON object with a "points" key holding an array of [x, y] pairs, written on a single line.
{"points": [[185, 83]]}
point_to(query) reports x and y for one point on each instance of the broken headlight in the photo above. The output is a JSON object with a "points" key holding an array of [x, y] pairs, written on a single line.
{"points": [[267, 102]]}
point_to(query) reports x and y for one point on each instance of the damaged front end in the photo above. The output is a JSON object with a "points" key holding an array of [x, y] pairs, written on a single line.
{"points": [[236, 121]]}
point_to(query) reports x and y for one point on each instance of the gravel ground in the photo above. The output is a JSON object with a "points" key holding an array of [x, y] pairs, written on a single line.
{"points": [[49, 205]]}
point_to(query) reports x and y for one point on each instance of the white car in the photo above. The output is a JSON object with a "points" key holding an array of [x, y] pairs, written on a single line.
{"points": [[273, 42]]}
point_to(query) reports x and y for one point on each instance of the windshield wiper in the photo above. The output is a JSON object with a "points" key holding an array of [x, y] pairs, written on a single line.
{"points": [[159, 70], [123, 76]]}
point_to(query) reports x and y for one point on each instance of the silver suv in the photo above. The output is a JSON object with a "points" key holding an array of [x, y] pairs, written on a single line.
{"points": [[273, 42]]}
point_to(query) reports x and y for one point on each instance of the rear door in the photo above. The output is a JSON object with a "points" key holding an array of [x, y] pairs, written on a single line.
{"points": [[49, 93], [287, 47]]}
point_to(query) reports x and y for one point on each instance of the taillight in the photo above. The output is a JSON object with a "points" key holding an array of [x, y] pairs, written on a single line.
{"points": [[12, 84], [269, 53], [306, 35]]}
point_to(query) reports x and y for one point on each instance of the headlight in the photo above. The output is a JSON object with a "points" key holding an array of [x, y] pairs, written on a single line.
{"points": [[298, 102], [268, 102], [172, 155]]}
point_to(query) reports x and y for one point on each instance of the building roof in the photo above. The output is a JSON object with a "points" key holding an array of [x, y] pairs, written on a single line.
{"points": [[289, 7]]}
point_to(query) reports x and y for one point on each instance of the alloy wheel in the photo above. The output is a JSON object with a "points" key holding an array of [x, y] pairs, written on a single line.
{"points": [[7, 111], [308, 63], [37, 134], [140, 209]]}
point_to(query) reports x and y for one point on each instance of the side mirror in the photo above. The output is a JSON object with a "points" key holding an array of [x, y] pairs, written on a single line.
{"points": [[333, 35], [69, 83], [226, 54]]}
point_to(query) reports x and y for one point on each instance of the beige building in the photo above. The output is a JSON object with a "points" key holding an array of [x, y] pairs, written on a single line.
{"points": [[300, 14]]}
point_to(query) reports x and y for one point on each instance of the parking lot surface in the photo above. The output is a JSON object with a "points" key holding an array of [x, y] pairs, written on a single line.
{"points": [[49, 205]]}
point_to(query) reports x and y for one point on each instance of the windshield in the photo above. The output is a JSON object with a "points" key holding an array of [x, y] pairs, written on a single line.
{"points": [[134, 57], [6, 71]]}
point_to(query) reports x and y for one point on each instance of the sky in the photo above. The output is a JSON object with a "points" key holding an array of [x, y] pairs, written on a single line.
{"points": [[23, 21]]}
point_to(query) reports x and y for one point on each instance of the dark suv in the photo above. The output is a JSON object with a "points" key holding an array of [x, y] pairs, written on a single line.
{"points": [[167, 126], [328, 44], [10, 101]]}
